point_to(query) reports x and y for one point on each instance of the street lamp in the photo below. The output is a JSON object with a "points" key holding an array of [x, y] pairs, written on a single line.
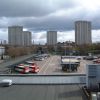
{"points": [[65, 48], [70, 54]]}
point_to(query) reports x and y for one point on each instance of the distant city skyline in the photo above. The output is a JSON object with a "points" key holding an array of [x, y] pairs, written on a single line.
{"points": [[40, 37], [39, 16]]}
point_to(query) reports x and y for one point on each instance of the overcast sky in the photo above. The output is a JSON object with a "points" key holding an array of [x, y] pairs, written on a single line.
{"points": [[39, 16]]}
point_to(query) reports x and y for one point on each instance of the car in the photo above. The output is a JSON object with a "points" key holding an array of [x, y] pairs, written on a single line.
{"points": [[6, 82], [95, 57], [39, 58], [89, 58], [97, 61], [79, 58], [84, 57]]}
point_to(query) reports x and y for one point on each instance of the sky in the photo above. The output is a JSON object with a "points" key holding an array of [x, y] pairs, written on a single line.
{"points": [[39, 16]]}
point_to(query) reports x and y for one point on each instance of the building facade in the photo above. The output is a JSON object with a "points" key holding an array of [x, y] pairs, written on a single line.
{"points": [[2, 50], [51, 37], [18, 37], [83, 32], [93, 76], [27, 38], [15, 36]]}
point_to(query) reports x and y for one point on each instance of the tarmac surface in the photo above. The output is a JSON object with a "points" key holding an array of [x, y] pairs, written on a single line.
{"points": [[42, 92], [52, 66], [49, 66]]}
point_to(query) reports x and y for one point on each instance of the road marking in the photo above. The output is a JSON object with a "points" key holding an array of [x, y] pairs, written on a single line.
{"points": [[46, 63], [82, 68]]}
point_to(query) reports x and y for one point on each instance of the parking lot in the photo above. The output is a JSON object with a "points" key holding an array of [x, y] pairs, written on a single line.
{"points": [[52, 66]]}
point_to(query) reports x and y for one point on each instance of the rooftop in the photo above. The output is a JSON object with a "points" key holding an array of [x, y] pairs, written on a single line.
{"points": [[42, 92]]}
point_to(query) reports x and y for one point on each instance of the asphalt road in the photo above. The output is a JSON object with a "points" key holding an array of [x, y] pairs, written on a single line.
{"points": [[49, 66], [42, 92], [52, 66]]}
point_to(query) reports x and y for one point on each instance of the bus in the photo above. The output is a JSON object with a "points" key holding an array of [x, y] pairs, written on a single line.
{"points": [[33, 68], [22, 68]]}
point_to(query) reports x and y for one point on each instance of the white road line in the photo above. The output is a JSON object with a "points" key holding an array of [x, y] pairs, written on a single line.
{"points": [[82, 68], [48, 65]]}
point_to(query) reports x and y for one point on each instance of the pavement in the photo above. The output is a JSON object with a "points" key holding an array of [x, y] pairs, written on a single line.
{"points": [[52, 66], [1, 61], [49, 66], [42, 92]]}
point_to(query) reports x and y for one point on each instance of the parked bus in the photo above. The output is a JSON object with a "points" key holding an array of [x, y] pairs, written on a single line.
{"points": [[32, 66], [21, 68]]}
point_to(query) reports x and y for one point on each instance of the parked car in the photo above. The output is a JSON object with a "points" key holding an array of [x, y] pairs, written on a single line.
{"points": [[39, 58], [79, 58], [97, 61], [84, 57], [89, 58]]}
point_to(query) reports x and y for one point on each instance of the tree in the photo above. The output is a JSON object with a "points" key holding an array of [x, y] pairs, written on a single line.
{"points": [[19, 51]]}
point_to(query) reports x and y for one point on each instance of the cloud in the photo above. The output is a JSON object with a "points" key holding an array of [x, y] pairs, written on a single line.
{"points": [[96, 36], [43, 15], [39, 16], [39, 37], [3, 34], [22, 8], [66, 36]]}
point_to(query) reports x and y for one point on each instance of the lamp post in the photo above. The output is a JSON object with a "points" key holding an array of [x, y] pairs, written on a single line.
{"points": [[65, 48], [70, 54]]}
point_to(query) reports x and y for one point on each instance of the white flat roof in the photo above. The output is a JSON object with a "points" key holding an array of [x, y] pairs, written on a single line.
{"points": [[69, 60]]}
